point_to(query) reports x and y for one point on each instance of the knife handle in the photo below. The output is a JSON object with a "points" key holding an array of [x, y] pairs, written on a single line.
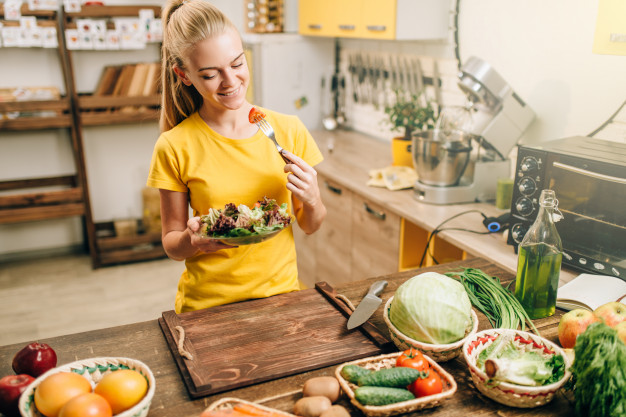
{"points": [[377, 288]]}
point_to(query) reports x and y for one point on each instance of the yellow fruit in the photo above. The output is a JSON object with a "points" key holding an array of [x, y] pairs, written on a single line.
{"points": [[122, 389], [86, 405], [57, 389]]}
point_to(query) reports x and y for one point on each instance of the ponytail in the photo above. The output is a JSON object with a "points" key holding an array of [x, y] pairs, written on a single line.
{"points": [[185, 23]]}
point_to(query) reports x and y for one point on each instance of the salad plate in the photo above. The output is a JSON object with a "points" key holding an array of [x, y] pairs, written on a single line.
{"points": [[245, 240], [242, 225]]}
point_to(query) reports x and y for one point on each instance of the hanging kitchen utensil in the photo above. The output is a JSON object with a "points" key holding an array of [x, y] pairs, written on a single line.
{"points": [[437, 86], [328, 119], [354, 76]]}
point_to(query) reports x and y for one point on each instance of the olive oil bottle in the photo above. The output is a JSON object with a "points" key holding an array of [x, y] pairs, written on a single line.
{"points": [[539, 261]]}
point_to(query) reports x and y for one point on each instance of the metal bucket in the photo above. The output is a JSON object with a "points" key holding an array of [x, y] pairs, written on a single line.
{"points": [[441, 159]]}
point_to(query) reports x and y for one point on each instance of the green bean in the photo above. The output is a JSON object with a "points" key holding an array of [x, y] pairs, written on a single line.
{"points": [[487, 294]]}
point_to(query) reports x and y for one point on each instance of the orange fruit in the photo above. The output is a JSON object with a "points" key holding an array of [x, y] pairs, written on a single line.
{"points": [[122, 389], [57, 389], [86, 405]]}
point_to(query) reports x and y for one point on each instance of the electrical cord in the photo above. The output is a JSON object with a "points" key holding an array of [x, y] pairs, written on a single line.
{"points": [[605, 124], [438, 229]]}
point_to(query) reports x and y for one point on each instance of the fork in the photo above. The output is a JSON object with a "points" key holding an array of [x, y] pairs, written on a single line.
{"points": [[269, 132]]}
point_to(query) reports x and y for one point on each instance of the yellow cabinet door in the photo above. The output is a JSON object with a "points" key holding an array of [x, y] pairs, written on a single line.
{"points": [[347, 18], [314, 17], [375, 239], [378, 19]]}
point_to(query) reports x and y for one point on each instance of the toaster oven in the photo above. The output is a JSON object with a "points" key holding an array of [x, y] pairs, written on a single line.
{"points": [[589, 178]]}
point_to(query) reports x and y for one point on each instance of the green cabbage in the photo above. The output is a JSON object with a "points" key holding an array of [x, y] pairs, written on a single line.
{"points": [[431, 308]]}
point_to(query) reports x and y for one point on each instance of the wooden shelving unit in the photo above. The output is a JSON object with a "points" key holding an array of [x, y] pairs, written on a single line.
{"points": [[35, 199], [66, 196], [109, 248]]}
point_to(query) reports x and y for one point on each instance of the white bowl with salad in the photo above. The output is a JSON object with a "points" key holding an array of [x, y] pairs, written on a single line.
{"points": [[242, 225]]}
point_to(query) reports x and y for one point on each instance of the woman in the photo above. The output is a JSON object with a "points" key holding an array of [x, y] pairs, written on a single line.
{"points": [[209, 154]]}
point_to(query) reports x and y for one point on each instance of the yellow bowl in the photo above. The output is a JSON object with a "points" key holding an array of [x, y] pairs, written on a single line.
{"points": [[440, 353]]}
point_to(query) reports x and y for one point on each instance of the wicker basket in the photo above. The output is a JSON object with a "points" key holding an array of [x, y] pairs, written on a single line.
{"points": [[93, 370], [389, 361], [228, 403], [507, 393], [440, 353]]}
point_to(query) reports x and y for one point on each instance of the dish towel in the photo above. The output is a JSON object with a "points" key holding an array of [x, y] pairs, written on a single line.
{"points": [[393, 177]]}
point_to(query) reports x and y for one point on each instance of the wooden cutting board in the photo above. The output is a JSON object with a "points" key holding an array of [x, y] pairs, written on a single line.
{"points": [[245, 343]]}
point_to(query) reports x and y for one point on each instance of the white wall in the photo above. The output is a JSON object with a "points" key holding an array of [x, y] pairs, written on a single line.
{"points": [[543, 49]]}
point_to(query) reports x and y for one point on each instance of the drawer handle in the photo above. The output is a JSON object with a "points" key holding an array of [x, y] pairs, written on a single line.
{"points": [[335, 190], [315, 26], [378, 214], [347, 27], [377, 28]]}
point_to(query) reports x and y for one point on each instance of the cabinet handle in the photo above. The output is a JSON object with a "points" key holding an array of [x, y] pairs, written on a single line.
{"points": [[378, 214], [335, 190], [377, 28], [347, 27], [316, 26]]}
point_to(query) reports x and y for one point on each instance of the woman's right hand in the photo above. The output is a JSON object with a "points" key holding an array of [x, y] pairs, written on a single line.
{"points": [[203, 244]]}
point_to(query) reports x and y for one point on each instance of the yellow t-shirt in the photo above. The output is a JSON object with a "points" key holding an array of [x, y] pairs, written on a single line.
{"points": [[216, 170]]}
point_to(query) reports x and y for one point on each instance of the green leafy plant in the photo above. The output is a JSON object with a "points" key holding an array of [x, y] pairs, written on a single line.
{"points": [[408, 113]]}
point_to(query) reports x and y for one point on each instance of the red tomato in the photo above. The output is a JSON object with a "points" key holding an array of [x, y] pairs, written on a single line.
{"points": [[413, 358], [255, 115], [86, 405], [429, 384]]}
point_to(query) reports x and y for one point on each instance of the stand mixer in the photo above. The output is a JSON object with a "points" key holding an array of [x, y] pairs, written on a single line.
{"points": [[495, 117]]}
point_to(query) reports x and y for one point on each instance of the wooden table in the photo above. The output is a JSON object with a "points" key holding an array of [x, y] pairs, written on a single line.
{"points": [[145, 342]]}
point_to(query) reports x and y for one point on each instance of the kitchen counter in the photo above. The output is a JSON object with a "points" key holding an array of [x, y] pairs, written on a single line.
{"points": [[350, 155], [146, 342]]}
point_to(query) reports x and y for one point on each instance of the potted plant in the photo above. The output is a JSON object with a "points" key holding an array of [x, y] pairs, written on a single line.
{"points": [[407, 114]]}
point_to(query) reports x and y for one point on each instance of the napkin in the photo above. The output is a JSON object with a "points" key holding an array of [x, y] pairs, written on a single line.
{"points": [[393, 177]]}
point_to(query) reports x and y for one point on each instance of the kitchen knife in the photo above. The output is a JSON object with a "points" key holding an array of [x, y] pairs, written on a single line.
{"points": [[368, 305]]}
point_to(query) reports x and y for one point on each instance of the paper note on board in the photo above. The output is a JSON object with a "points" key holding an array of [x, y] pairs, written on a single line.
{"points": [[590, 291], [610, 35]]}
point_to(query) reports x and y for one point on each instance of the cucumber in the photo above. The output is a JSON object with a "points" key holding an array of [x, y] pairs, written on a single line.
{"points": [[390, 377], [352, 373], [381, 395]]}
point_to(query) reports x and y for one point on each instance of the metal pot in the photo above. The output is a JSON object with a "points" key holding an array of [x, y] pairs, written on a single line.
{"points": [[441, 158]]}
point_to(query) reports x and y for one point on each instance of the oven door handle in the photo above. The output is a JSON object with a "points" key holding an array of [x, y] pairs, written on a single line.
{"points": [[589, 173]]}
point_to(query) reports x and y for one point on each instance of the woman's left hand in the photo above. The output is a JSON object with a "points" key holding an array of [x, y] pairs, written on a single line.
{"points": [[302, 180]]}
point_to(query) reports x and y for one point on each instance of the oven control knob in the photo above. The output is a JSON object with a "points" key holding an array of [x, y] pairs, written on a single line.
{"points": [[524, 206], [527, 186], [598, 266], [518, 231], [529, 165]]}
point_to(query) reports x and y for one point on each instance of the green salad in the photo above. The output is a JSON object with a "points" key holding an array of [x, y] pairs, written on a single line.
{"points": [[237, 221]]}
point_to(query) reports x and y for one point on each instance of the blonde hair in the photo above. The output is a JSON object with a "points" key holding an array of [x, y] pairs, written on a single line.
{"points": [[185, 23]]}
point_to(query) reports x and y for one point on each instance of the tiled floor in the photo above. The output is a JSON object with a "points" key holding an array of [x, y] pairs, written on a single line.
{"points": [[63, 295]]}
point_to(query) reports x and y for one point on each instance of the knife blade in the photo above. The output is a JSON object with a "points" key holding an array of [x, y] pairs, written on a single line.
{"points": [[368, 305]]}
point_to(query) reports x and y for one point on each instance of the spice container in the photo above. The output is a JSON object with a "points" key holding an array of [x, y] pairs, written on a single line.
{"points": [[539, 261]]}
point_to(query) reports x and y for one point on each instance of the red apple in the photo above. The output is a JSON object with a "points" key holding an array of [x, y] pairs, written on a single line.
{"points": [[572, 324], [611, 313], [11, 387], [621, 331], [34, 359]]}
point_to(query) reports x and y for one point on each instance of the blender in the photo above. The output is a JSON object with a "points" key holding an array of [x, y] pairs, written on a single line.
{"points": [[461, 160]]}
